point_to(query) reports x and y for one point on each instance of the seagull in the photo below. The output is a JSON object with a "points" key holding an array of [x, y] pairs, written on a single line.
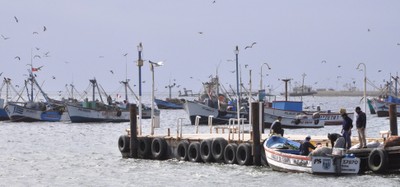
{"points": [[35, 33], [5, 38], [233, 71], [17, 57], [324, 61], [379, 70], [1, 73], [214, 2], [16, 19], [200, 32], [36, 56], [37, 48], [369, 30], [250, 46], [339, 66], [46, 54], [245, 66], [125, 54], [112, 72], [44, 28], [53, 77], [101, 56]]}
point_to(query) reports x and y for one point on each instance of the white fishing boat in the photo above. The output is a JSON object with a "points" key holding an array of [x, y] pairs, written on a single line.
{"points": [[100, 111], [283, 154], [30, 111], [214, 104]]}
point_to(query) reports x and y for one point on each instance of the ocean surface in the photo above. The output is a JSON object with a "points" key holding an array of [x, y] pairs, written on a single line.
{"points": [[68, 154]]}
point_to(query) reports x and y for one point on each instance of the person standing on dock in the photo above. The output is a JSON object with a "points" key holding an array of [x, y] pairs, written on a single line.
{"points": [[276, 127], [361, 123], [347, 125]]}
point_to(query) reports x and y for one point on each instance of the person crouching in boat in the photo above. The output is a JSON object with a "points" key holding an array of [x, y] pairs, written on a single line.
{"points": [[306, 146], [276, 127]]}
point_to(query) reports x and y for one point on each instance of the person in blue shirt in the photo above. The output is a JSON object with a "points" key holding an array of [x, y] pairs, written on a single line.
{"points": [[347, 125], [306, 145]]}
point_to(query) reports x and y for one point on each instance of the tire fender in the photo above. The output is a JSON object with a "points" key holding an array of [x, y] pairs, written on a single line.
{"points": [[144, 148], [230, 153], [205, 150], [378, 160], [243, 154], [217, 149], [194, 152], [124, 144], [182, 150], [159, 148]]}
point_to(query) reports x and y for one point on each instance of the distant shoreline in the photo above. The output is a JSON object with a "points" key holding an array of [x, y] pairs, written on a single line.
{"points": [[347, 93]]}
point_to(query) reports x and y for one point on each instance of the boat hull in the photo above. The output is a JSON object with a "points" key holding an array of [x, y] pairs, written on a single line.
{"points": [[79, 114], [283, 155], [194, 109], [161, 104], [19, 113], [291, 119], [382, 107]]}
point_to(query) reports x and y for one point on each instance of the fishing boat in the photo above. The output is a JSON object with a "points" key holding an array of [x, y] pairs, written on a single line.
{"points": [[389, 95], [100, 111], [213, 104], [169, 103], [49, 110], [283, 154]]}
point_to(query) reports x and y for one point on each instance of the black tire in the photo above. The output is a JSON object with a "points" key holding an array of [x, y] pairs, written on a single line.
{"points": [[159, 148], [194, 152], [230, 153], [243, 154], [124, 144], [378, 160], [182, 150], [217, 149], [205, 150], [144, 147]]}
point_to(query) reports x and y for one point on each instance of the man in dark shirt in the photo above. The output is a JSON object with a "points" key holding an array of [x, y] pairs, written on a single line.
{"points": [[361, 123], [305, 146], [276, 127]]}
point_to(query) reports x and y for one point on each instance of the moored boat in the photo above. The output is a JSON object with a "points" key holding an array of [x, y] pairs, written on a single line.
{"points": [[99, 111], [283, 154], [169, 103]]}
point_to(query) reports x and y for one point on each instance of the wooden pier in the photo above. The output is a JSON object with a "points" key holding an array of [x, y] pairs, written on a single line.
{"points": [[237, 143]]}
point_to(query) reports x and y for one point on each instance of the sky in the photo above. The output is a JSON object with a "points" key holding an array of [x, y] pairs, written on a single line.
{"points": [[80, 40]]}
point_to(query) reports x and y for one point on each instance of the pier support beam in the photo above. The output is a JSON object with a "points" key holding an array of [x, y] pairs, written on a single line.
{"points": [[393, 119], [133, 140], [256, 133]]}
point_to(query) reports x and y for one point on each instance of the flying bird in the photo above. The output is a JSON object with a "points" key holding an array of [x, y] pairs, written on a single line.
{"points": [[16, 19], [37, 48], [214, 2], [125, 54], [339, 66], [112, 72], [17, 57], [5, 38], [53, 77], [44, 28], [1, 73], [37, 56], [101, 56], [369, 30], [250, 46], [324, 61], [233, 71], [379, 70], [46, 54], [35, 33], [200, 32], [245, 66]]}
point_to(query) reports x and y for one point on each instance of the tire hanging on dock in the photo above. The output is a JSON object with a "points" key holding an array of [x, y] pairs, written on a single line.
{"points": [[205, 150], [182, 150], [159, 148], [243, 154], [217, 149], [194, 152], [124, 144], [144, 148], [230, 153], [378, 160]]}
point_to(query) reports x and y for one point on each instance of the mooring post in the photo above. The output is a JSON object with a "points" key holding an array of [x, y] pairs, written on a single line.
{"points": [[256, 133], [393, 119], [133, 140]]}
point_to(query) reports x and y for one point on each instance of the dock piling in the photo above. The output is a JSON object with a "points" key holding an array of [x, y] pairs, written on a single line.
{"points": [[256, 133], [393, 119], [133, 125]]}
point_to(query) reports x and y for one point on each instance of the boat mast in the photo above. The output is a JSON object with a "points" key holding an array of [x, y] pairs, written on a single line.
{"points": [[93, 81], [302, 87]]}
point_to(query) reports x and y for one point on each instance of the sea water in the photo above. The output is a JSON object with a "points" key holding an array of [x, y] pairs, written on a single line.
{"points": [[69, 154]]}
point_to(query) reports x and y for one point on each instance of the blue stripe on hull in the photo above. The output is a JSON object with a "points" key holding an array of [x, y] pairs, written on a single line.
{"points": [[77, 119]]}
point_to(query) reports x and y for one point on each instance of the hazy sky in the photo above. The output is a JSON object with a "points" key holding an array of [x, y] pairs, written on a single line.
{"points": [[83, 39]]}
